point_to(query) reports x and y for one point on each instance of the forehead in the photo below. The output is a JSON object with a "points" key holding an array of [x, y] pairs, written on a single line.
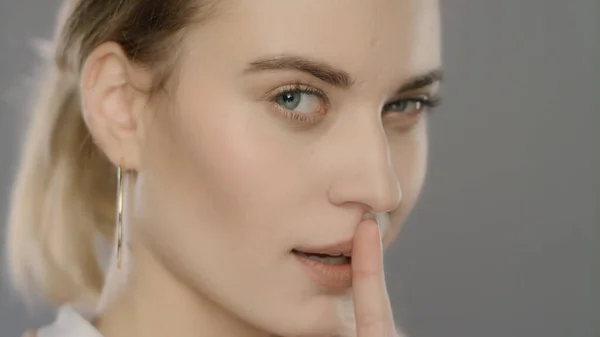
{"points": [[364, 37]]}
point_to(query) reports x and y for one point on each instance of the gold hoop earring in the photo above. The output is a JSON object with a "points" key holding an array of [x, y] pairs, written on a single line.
{"points": [[119, 216]]}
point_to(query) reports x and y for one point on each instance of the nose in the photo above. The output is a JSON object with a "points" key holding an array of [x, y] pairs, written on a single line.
{"points": [[362, 168]]}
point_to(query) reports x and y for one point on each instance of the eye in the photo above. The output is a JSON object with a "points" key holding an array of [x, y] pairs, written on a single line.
{"points": [[405, 106], [299, 102], [407, 112]]}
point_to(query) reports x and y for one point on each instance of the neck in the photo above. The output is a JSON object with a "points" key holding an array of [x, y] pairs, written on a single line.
{"points": [[154, 303]]}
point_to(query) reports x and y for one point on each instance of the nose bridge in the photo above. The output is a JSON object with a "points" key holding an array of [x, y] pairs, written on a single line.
{"points": [[366, 174]]}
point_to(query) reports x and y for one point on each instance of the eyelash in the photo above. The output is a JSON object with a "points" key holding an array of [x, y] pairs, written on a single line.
{"points": [[298, 88], [427, 102]]}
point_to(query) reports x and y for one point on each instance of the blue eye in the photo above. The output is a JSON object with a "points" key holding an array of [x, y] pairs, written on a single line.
{"points": [[299, 102], [411, 105], [405, 113], [289, 100]]}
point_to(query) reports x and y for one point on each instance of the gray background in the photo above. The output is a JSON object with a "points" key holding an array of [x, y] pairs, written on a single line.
{"points": [[505, 241]]}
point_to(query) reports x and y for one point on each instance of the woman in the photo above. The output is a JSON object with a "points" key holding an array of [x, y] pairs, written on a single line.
{"points": [[239, 153]]}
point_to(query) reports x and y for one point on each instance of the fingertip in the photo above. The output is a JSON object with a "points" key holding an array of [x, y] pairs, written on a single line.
{"points": [[367, 233], [371, 302], [366, 252], [30, 333]]}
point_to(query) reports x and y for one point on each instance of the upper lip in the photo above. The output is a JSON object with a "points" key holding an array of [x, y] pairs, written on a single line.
{"points": [[339, 248]]}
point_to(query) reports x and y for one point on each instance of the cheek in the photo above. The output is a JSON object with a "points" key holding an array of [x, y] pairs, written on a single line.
{"points": [[232, 166], [210, 179], [409, 153], [229, 159]]}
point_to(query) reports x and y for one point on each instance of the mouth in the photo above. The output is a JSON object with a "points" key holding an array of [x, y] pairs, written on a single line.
{"points": [[328, 266], [336, 249], [326, 258]]}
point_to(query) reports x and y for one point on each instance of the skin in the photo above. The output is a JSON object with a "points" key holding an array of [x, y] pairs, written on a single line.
{"points": [[225, 185]]}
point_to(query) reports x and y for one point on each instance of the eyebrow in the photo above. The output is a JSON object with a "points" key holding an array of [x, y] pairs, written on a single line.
{"points": [[332, 75], [323, 71], [422, 81]]}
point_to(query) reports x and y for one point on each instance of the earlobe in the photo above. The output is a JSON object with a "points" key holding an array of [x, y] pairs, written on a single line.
{"points": [[111, 104]]}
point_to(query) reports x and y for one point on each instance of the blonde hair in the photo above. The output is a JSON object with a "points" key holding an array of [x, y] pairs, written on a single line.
{"points": [[64, 193]]}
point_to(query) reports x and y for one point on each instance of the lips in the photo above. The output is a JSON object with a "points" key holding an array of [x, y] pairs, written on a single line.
{"points": [[328, 266], [321, 255], [336, 249], [326, 258]]}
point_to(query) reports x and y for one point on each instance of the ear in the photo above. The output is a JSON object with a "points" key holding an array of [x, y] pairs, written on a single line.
{"points": [[114, 94]]}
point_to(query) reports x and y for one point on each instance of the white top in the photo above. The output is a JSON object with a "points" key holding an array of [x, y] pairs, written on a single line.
{"points": [[70, 322], [75, 320]]}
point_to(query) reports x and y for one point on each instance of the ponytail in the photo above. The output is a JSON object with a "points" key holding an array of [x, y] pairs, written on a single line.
{"points": [[63, 196], [64, 193]]}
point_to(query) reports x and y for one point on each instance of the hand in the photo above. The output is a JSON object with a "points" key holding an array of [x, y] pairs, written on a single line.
{"points": [[372, 308]]}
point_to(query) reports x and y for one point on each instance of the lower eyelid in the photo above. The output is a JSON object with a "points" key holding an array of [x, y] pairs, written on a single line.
{"points": [[306, 119]]}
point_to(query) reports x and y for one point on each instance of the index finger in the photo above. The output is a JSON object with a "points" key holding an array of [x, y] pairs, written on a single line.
{"points": [[30, 333], [371, 302]]}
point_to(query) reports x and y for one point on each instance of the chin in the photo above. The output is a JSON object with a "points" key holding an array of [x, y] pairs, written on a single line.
{"points": [[302, 328], [325, 316]]}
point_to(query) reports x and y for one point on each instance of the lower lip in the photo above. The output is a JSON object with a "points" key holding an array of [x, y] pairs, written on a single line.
{"points": [[332, 276]]}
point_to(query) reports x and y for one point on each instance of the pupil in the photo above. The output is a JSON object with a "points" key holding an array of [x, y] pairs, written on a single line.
{"points": [[290, 100], [400, 105], [289, 97]]}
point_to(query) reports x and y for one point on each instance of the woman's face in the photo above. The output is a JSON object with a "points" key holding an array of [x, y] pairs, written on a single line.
{"points": [[287, 123]]}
